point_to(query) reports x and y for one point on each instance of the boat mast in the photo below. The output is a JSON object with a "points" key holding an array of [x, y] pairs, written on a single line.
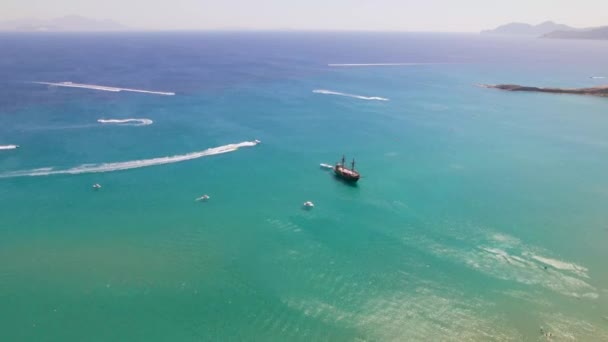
{"points": [[353, 165], [342, 160]]}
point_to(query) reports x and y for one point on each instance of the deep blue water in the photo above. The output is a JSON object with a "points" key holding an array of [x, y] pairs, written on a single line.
{"points": [[481, 214]]}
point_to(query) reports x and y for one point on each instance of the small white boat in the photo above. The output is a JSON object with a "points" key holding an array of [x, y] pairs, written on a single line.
{"points": [[257, 141], [203, 198], [96, 186], [309, 204]]}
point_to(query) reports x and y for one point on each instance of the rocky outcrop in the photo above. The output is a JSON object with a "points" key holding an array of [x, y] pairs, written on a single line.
{"points": [[594, 91]]}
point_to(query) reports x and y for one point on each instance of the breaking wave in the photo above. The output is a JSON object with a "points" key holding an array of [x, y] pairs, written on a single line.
{"points": [[331, 92], [8, 147], [127, 122], [134, 164]]}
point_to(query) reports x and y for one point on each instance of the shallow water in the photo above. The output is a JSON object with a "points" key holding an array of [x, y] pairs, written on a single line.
{"points": [[480, 214]]}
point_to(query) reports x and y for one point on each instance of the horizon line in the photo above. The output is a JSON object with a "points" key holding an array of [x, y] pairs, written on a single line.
{"points": [[143, 30]]}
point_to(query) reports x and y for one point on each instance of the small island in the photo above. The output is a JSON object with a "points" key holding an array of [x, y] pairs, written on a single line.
{"points": [[599, 33], [594, 91]]}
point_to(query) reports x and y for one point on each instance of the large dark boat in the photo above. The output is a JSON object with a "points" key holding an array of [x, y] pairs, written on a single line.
{"points": [[342, 171]]}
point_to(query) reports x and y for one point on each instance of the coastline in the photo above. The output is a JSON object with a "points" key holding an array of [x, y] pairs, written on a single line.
{"points": [[601, 91]]}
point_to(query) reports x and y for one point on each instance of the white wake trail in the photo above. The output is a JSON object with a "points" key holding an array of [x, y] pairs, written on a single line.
{"points": [[377, 64], [8, 147], [134, 164], [360, 97], [127, 122], [104, 88]]}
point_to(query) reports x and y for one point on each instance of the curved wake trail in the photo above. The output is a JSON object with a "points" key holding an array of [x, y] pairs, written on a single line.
{"points": [[360, 97], [8, 147], [127, 122], [134, 164]]}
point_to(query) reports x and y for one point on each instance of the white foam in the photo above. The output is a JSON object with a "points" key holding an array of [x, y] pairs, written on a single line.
{"points": [[331, 92], [562, 265], [505, 257], [597, 77], [8, 147], [104, 88], [326, 166], [377, 64], [134, 164], [127, 122]]}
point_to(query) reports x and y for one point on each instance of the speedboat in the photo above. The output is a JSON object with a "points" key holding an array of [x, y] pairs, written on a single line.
{"points": [[257, 141], [203, 198], [309, 204], [96, 186]]}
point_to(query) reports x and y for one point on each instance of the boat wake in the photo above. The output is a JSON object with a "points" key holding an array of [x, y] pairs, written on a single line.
{"points": [[8, 147], [104, 88], [377, 64], [326, 166], [331, 92], [127, 122], [134, 164], [597, 77]]}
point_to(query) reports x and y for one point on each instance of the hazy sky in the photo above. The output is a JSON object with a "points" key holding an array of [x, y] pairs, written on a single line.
{"points": [[410, 15]]}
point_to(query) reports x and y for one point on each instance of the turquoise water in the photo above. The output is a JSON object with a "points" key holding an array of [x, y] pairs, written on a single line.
{"points": [[467, 193]]}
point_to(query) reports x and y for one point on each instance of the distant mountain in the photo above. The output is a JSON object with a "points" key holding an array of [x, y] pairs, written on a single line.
{"points": [[595, 33], [64, 24], [529, 30]]}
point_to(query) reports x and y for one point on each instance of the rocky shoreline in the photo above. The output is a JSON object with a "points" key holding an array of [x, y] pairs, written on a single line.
{"points": [[593, 91]]}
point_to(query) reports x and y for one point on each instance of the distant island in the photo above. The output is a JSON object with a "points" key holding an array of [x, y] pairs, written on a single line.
{"points": [[549, 29], [70, 23], [523, 29], [596, 33], [594, 91]]}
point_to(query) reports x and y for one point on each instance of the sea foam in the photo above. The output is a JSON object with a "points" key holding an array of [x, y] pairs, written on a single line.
{"points": [[104, 88], [127, 122], [134, 164], [505, 257], [360, 97]]}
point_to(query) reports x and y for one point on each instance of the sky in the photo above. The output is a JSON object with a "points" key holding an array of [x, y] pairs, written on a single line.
{"points": [[383, 15]]}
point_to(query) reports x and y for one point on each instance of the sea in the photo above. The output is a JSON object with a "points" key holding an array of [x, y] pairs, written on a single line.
{"points": [[481, 215]]}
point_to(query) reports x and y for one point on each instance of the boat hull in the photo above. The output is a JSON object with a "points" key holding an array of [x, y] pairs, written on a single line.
{"points": [[347, 175]]}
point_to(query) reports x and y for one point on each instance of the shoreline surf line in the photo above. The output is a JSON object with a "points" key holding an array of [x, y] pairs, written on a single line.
{"points": [[127, 122], [127, 165], [103, 88], [360, 97]]}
